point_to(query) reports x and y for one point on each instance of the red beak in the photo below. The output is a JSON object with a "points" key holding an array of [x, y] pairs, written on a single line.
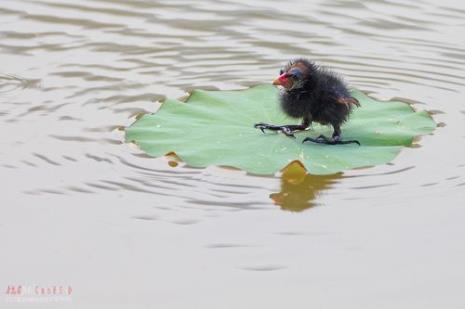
{"points": [[280, 80], [283, 80]]}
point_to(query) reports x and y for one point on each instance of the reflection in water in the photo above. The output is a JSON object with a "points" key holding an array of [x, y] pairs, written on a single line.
{"points": [[299, 189]]}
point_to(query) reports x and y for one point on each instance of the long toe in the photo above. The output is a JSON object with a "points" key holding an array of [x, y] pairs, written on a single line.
{"points": [[347, 142], [317, 140], [333, 141], [259, 125]]}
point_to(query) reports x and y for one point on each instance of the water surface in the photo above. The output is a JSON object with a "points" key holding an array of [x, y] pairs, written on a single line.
{"points": [[81, 207]]}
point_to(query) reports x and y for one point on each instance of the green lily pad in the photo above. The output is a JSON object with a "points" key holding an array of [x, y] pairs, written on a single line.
{"points": [[216, 128]]}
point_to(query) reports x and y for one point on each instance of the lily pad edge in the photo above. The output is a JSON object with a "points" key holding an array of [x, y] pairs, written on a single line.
{"points": [[294, 164]]}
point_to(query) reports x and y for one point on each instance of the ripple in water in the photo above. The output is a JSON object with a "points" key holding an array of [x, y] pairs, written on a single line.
{"points": [[10, 83], [113, 60]]}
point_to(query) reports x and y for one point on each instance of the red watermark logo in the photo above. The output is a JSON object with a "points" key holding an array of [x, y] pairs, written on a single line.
{"points": [[38, 293]]}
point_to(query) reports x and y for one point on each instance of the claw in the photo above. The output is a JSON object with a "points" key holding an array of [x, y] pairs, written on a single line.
{"points": [[262, 126]]}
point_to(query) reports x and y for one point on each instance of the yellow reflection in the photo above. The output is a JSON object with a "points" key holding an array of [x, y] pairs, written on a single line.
{"points": [[299, 189]]}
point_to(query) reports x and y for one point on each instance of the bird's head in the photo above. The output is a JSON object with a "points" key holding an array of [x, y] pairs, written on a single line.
{"points": [[295, 74]]}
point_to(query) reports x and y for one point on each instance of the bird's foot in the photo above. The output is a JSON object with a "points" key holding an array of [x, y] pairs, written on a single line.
{"points": [[286, 130], [336, 140]]}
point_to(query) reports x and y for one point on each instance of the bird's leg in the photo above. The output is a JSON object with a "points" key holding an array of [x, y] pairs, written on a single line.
{"points": [[334, 140], [288, 130]]}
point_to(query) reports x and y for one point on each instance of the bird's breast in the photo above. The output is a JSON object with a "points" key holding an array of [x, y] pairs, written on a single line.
{"points": [[295, 106]]}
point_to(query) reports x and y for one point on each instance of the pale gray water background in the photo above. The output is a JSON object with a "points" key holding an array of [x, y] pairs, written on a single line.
{"points": [[79, 207]]}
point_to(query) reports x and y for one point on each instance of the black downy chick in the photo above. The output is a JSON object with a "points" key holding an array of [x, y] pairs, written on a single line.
{"points": [[314, 94]]}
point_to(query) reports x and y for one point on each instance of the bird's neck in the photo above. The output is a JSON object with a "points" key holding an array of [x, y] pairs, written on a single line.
{"points": [[306, 88]]}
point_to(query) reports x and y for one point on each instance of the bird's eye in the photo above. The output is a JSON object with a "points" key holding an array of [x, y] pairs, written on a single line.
{"points": [[295, 74], [281, 72]]}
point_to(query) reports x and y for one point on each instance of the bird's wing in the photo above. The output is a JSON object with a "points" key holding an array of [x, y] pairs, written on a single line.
{"points": [[347, 101]]}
